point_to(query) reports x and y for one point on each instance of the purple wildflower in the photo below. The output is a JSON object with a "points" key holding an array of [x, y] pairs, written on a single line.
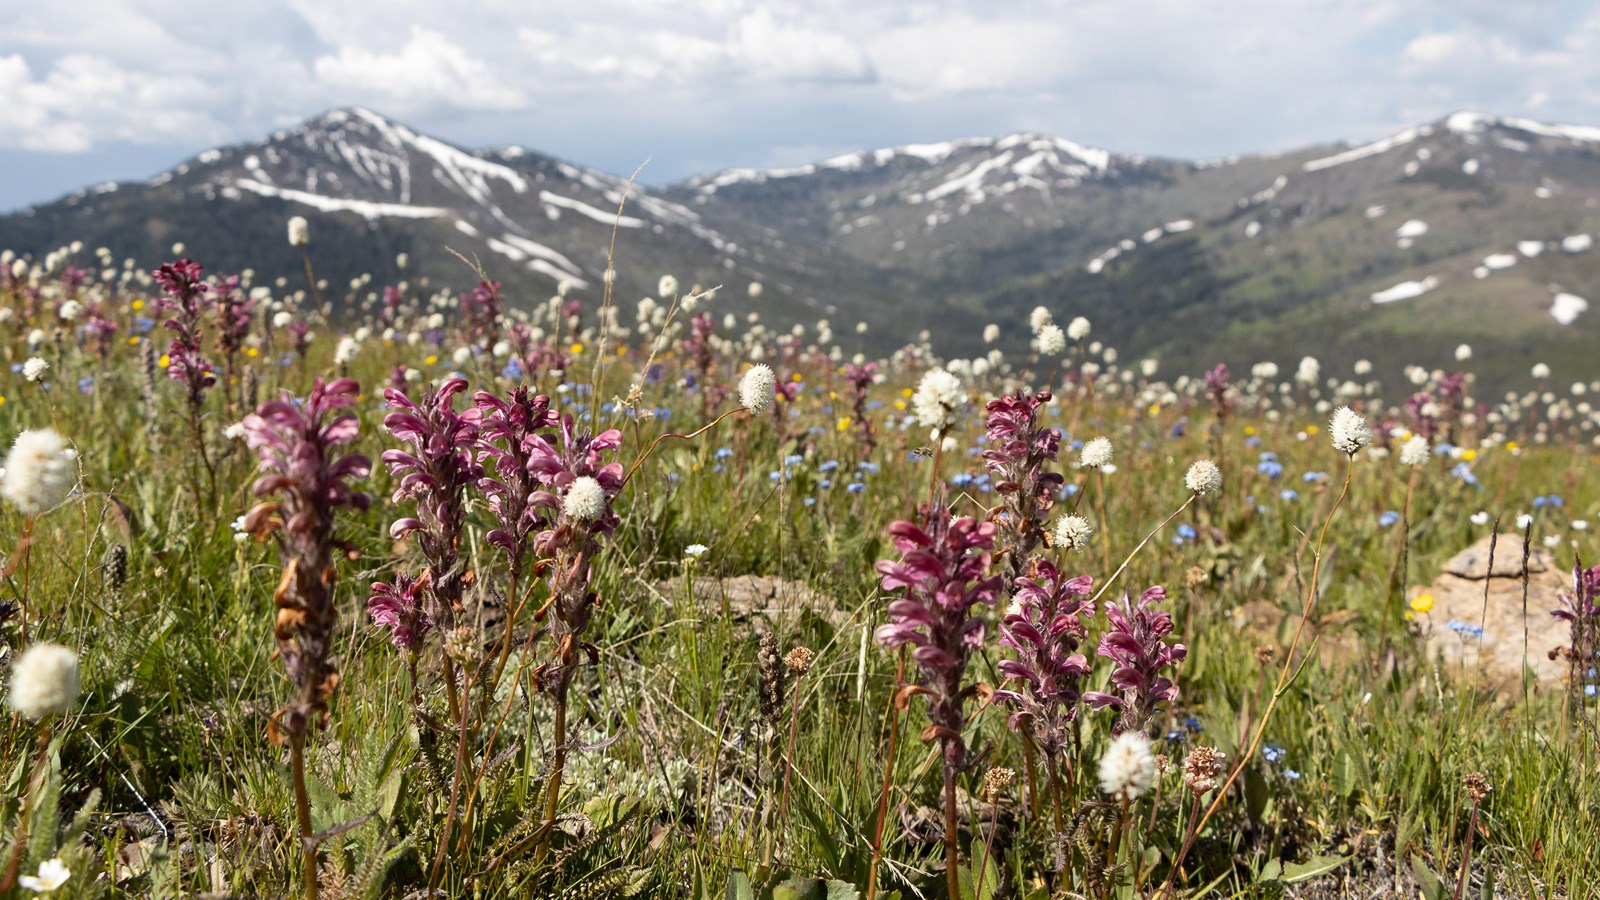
{"points": [[435, 477], [297, 443], [400, 607], [943, 569], [1019, 450], [1580, 609], [1134, 642], [1044, 626]]}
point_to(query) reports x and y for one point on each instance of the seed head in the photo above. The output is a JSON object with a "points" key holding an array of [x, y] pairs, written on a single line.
{"points": [[799, 660], [1096, 453], [1204, 478], [1128, 768], [1201, 769], [1349, 431], [756, 389], [1414, 452], [995, 781], [1477, 786], [40, 472], [1073, 532], [939, 400], [44, 680], [585, 500]]}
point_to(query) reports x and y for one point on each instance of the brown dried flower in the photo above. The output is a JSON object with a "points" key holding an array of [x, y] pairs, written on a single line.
{"points": [[1201, 769]]}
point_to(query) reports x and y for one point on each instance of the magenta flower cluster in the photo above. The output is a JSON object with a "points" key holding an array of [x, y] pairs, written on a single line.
{"points": [[1044, 627], [943, 570], [1019, 451], [1135, 644]]}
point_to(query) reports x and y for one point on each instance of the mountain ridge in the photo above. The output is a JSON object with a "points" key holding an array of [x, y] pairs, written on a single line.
{"points": [[1406, 234]]}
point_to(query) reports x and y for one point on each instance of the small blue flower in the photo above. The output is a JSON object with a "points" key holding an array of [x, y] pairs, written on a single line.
{"points": [[1539, 502], [828, 466], [1589, 690], [86, 384], [961, 480], [1175, 736], [724, 452], [855, 487], [1314, 477], [1464, 629], [1289, 495], [1268, 456], [1252, 441], [1388, 519], [870, 468], [1273, 753], [1291, 774], [1270, 468], [1193, 724], [1069, 490], [809, 501], [1187, 532]]}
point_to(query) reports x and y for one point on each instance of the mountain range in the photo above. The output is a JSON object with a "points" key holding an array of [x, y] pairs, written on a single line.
{"points": [[1472, 229]]}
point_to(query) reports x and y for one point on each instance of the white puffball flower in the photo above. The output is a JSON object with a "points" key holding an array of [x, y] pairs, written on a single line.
{"points": [[345, 351], [1039, 318], [939, 400], [1096, 454], [1050, 341], [1078, 328], [1541, 371], [1128, 768], [585, 500], [1203, 478], [70, 310], [34, 369], [1349, 431], [991, 333], [40, 472], [695, 551], [282, 319], [1415, 451], [299, 232], [667, 287], [1073, 532], [1363, 367], [44, 681], [756, 388], [1148, 367], [234, 432], [754, 290], [461, 356], [1523, 521], [53, 873], [1463, 353]]}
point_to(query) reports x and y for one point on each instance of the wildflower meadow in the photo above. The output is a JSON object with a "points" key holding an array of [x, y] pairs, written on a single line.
{"points": [[418, 591]]}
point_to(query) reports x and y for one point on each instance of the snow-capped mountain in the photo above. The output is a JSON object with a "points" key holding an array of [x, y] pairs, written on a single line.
{"points": [[1474, 228]]}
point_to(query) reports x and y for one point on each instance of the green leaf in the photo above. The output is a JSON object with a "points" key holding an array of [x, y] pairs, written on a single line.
{"points": [[1347, 774], [1432, 887], [739, 887], [1256, 794], [607, 811], [799, 889], [1311, 868], [980, 887]]}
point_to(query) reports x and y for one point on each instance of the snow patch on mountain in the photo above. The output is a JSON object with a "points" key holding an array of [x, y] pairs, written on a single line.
{"points": [[367, 209], [1406, 290]]}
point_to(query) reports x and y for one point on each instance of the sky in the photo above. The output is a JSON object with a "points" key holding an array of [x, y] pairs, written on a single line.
{"points": [[103, 90]]}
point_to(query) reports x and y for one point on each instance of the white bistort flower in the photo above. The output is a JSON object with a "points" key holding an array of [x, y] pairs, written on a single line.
{"points": [[1078, 328], [44, 681], [667, 287], [1349, 431], [1050, 340], [939, 400], [345, 351], [299, 232], [1203, 478], [40, 472], [1096, 454], [34, 369], [991, 333], [756, 388], [1073, 532], [1128, 768], [1415, 451], [585, 499], [1039, 318]]}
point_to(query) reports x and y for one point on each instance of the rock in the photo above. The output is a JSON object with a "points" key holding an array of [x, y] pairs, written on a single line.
{"points": [[1459, 596], [759, 599]]}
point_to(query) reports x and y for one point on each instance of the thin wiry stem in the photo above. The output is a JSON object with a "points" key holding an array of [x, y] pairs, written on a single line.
{"points": [[1288, 659]]}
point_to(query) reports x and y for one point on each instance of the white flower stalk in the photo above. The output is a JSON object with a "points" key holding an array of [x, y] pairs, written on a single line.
{"points": [[756, 389], [939, 400], [1073, 532], [44, 681], [1078, 328], [1050, 341], [299, 232], [34, 369], [1096, 454], [40, 472], [667, 287], [1038, 319], [345, 351], [1415, 451], [1128, 768], [585, 500], [1203, 478], [1349, 431], [991, 333]]}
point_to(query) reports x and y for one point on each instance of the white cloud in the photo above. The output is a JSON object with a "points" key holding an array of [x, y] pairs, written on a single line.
{"points": [[429, 71]]}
